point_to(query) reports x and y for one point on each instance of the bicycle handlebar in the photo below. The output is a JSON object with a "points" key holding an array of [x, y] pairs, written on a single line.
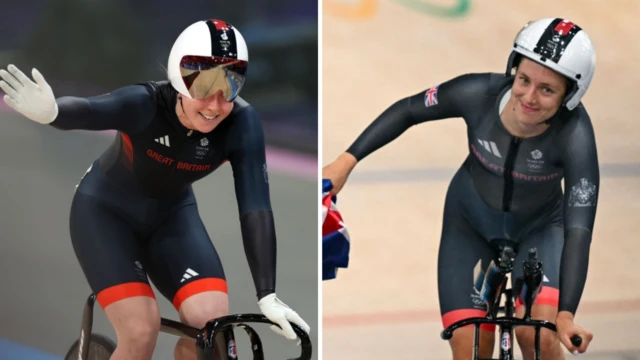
{"points": [[447, 333], [576, 340], [498, 269], [214, 327]]}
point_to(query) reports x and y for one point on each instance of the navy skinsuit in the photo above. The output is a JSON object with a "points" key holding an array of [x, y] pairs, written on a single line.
{"points": [[134, 212], [507, 188]]}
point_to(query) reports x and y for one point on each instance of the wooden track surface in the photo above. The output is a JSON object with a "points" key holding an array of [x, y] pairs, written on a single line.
{"points": [[375, 52]]}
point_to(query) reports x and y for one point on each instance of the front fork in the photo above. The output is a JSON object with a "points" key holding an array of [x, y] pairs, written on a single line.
{"points": [[506, 331], [207, 348]]}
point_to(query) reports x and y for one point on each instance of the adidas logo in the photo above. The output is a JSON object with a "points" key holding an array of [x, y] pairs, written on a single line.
{"points": [[188, 275], [164, 140], [491, 147]]}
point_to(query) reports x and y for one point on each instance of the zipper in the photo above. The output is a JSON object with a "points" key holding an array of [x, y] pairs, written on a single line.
{"points": [[507, 194]]}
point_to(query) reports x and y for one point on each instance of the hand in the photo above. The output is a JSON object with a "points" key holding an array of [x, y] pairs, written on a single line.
{"points": [[338, 171], [33, 100], [278, 312], [567, 329]]}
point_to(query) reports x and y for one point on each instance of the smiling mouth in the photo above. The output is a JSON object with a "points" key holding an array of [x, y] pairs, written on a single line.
{"points": [[528, 108], [209, 118]]}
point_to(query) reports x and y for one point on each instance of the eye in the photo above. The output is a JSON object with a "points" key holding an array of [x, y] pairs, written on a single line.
{"points": [[548, 90], [524, 79]]}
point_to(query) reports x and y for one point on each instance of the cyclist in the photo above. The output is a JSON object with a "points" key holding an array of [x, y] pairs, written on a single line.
{"points": [[134, 216], [527, 131]]}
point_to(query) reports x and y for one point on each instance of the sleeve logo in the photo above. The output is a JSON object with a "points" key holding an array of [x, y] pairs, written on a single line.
{"points": [[431, 96], [583, 194]]}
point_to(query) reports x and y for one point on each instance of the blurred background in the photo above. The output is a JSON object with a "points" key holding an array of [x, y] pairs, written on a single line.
{"points": [[87, 48], [403, 47]]}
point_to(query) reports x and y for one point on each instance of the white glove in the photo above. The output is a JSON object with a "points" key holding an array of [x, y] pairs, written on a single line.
{"points": [[278, 312], [33, 100]]}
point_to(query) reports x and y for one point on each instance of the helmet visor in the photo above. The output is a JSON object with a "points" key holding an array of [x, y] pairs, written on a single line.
{"points": [[204, 76]]}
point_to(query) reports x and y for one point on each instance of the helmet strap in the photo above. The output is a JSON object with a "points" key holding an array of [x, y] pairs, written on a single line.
{"points": [[570, 93], [511, 62], [182, 107]]}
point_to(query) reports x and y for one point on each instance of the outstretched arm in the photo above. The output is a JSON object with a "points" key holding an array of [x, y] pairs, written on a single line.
{"points": [[450, 99], [127, 109], [444, 101]]}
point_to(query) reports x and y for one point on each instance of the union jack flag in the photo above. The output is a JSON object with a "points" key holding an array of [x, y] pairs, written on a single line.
{"points": [[335, 237], [431, 96]]}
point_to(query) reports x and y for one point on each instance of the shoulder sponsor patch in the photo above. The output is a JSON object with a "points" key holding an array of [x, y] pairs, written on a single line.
{"points": [[431, 96]]}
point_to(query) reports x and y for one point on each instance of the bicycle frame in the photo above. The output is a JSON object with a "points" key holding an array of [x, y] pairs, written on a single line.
{"points": [[205, 337], [506, 323]]}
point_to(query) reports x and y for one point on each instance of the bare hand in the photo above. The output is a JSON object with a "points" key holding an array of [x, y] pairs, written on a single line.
{"points": [[567, 329], [338, 171]]}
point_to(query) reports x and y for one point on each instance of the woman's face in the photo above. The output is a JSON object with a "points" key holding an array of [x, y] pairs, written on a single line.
{"points": [[537, 93], [203, 115]]}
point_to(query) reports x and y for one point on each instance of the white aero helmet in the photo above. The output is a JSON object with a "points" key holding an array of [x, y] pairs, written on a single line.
{"points": [[562, 46], [208, 56]]}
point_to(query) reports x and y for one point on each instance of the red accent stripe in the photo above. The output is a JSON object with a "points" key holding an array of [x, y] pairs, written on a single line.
{"points": [[197, 287], [127, 146], [115, 293], [454, 316], [547, 296], [222, 163]]}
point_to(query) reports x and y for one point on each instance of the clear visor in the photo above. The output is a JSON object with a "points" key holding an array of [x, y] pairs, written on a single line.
{"points": [[204, 76]]}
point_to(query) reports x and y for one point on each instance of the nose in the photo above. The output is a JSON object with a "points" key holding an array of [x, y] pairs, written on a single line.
{"points": [[214, 101], [529, 96]]}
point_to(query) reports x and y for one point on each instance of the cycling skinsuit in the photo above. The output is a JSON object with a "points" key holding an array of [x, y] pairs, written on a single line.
{"points": [[134, 215], [507, 188]]}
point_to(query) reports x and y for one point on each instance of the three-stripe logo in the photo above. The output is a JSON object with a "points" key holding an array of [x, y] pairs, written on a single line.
{"points": [[188, 275], [491, 147], [164, 140]]}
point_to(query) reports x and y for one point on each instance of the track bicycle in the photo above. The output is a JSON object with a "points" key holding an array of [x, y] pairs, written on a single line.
{"points": [[493, 286], [94, 346]]}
